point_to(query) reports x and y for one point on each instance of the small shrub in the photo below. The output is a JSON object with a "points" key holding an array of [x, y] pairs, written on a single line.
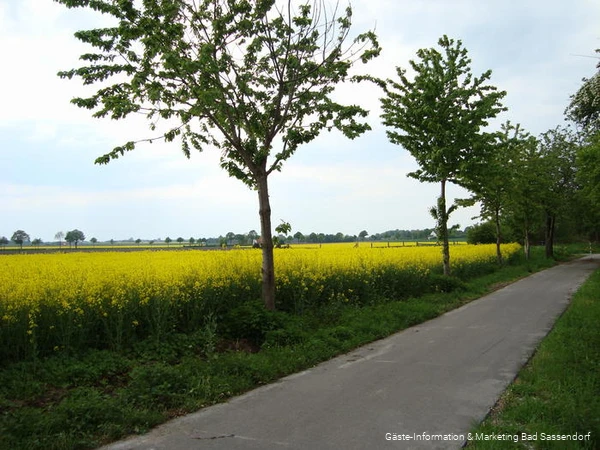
{"points": [[251, 321], [446, 283]]}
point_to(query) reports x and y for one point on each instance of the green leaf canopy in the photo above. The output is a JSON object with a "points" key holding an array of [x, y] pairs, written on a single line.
{"points": [[235, 74], [440, 115]]}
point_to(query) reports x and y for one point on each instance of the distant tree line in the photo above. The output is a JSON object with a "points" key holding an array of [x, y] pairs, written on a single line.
{"points": [[20, 237], [76, 237]]}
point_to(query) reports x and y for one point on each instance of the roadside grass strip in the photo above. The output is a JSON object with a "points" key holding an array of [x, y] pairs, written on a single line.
{"points": [[554, 402]]}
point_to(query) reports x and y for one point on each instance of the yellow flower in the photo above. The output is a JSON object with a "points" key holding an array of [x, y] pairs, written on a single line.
{"points": [[39, 292]]}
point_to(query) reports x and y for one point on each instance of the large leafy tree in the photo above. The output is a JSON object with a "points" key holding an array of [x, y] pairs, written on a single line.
{"points": [[558, 149], [588, 179], [439, 117], [527, 182], [584, 108], [493, 188], [253, 78]]}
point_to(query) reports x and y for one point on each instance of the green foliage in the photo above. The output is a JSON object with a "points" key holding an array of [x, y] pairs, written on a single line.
{"points": [[483, 233], [558, 149], [584, 108], [74, 236], [233, 74], [291, 334], [588, 178], [85, 418], [446, 283], [157, 385], [438, 117], [19, 237], [523, 210], [495, 187], [250, 321], [245, 321], [284, 228], [588, 175]]}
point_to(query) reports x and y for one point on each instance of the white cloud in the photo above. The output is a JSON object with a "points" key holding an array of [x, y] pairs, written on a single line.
{"points": [[37, 41]]}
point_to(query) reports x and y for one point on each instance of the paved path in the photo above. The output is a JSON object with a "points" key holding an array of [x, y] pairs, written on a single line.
{"points": [[431, 382]]}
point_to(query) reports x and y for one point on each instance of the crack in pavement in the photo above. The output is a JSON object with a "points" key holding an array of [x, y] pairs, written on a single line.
{"points": [[214, 437]]}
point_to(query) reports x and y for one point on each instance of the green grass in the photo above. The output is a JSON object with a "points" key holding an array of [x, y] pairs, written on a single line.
{"points": [[84, 400], [558, 392]]}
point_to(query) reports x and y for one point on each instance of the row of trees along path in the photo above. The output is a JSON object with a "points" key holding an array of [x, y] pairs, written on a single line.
{"points": [[255, 79]]}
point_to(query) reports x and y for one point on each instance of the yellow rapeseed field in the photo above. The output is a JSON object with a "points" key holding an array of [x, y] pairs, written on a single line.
{"points": [[49, 302]]}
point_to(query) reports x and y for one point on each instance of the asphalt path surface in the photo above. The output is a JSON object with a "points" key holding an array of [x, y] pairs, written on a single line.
{"points": [[427, 385]]}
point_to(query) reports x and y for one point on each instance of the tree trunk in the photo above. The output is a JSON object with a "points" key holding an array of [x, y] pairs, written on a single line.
{"points": [[268, 263], [443, 229], [498, 237], [526, 245], [550, 221]]}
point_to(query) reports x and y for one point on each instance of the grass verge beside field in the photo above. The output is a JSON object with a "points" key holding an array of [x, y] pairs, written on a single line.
{"points": [[557, 395], [84, 400]]}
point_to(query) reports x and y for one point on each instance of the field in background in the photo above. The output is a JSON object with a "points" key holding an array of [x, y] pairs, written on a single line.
{"points": [[86, 246]]}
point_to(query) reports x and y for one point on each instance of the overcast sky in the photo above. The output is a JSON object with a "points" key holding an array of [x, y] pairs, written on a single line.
{"points": [[538, 51]]}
